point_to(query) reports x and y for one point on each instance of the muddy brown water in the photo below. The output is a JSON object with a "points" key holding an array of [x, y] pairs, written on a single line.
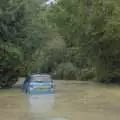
{"points": [[72, 100]]}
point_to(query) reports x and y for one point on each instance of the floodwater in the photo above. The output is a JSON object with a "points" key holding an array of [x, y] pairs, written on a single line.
{"points": [[72, 100]]}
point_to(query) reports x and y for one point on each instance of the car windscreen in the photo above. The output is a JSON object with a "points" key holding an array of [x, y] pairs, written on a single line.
{"points": [[41, 78]]}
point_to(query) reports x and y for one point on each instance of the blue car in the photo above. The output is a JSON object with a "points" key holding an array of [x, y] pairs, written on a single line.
{"points": [[38, 84]]}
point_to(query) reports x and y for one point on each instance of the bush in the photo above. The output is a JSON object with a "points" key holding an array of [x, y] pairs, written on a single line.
{"points": [[88, 74], [10, 60], [66, 71], [112, 77]]}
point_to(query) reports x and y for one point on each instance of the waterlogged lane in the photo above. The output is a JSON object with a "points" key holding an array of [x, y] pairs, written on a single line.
{"points": [[82, 101], [73, 101]]}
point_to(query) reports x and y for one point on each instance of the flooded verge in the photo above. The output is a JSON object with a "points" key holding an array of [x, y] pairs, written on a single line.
{"points": [[73, 100]]}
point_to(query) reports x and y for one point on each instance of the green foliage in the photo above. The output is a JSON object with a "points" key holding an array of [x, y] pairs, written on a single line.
{"points": [[11, 33], [66, 71], [104, 33], [88, 74], [22, 33], [10, 59], [93, 27], [67, 38], [51, 55]]}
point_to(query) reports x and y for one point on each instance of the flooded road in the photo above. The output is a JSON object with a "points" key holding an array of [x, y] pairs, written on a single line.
{"points": [[73, 100]]}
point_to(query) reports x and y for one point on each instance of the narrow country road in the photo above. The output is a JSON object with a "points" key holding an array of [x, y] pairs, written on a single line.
{"points": [[73, 100]]}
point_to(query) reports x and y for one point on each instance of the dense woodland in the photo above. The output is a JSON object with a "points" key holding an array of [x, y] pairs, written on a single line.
{"points": [[69, 39]]}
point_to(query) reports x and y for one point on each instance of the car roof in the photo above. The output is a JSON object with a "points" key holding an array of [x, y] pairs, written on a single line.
{"points": [[47, 76], [42, 75]]}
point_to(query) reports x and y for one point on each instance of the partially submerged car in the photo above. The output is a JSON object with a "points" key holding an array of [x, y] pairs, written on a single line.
{"points": [[38, 84]]}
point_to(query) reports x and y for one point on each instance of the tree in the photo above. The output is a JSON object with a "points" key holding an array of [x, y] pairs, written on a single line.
{"points": [[50, 55], [11, 37], [92, 26]]}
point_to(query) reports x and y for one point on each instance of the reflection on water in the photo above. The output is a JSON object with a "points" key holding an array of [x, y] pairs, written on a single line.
{"points": [[40, 105]]}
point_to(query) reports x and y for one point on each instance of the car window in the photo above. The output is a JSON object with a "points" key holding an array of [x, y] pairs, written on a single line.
{"points": [[41, 78]]}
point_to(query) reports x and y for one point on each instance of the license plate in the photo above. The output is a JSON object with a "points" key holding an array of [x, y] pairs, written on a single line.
{"points": [[42, 87]]}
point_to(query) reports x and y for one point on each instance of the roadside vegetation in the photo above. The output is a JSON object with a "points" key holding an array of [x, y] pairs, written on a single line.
{"points": [[70, 39]]}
